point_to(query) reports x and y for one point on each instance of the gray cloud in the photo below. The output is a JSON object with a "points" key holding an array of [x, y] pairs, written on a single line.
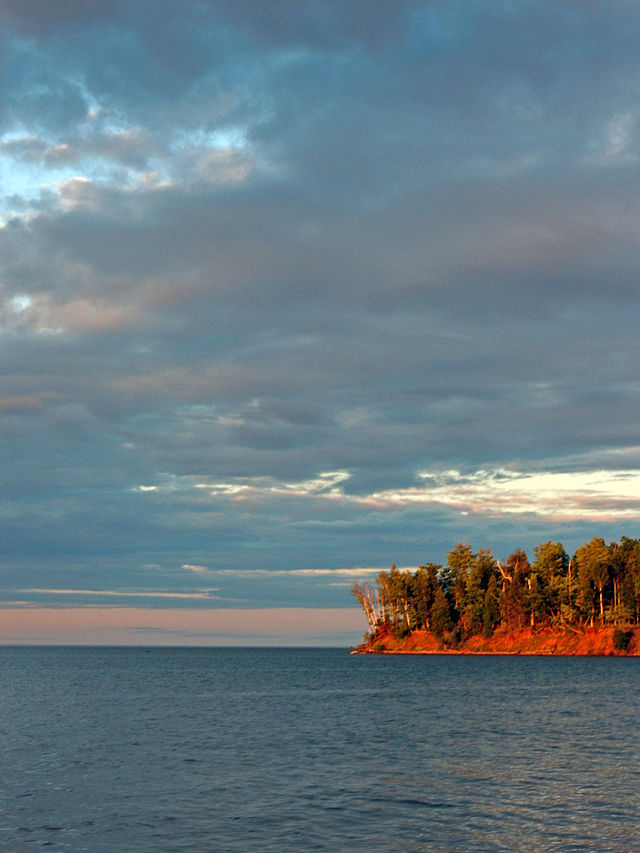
{"points": [[244, 244]]}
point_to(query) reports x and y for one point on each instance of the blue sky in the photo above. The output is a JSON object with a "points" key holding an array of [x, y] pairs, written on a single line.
{"points": [[292, 291]]}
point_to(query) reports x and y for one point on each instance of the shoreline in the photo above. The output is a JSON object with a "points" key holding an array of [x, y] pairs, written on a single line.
{"points": [[525, 642]]}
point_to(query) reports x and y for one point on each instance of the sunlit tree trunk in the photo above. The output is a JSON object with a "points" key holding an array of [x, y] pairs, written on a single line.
{"points": [[406, 613], [364, 597], [600, 588], [532, 616]]}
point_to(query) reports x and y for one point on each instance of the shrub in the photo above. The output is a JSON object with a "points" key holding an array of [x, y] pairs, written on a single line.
{"points": [[402, 630], [621, 639]]}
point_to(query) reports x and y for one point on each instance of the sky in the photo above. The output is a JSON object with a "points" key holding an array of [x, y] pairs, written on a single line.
{"points": [[293, 291]]}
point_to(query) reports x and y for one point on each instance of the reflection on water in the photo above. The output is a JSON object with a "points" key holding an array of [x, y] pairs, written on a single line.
{"points": [[273, 749]]}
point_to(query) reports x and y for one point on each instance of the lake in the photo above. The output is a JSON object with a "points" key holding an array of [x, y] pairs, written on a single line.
{"points": [[124, 749]]}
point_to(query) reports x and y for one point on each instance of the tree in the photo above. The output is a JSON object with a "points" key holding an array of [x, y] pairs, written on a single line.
{"points": [[592, 560], [365, 598], [383, 597], [441, 619], [474, 593], [479, 576], [550, 566], [491, 607], [629, 592], [423, 588], [617, 569], [513, 599], [401, 593], [536, 601], [460, 561]]}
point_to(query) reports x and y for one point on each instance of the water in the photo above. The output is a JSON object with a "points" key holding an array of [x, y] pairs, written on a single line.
{"points": [[280, 750]]}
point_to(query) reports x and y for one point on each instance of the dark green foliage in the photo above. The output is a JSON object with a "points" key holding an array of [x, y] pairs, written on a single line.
{"points": [[460, 562], [481, 577], [401, 629], [441, 620], [551, 590], [621, 639], [628, 578], [424, 588], [453, 638], [491, 607]]}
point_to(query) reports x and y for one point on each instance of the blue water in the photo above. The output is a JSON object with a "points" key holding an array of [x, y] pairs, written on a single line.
{"points": [[282, 750]]}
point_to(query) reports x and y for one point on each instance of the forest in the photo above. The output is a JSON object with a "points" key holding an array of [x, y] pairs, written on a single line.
{"points": [[476, 594]]}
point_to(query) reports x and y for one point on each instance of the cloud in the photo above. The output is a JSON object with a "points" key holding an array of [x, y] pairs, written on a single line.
{"points": [[24, 404], [326, 484], [565, 496], [570, 495], [39, 314], [260, 268], [619, 136], [111, 593], [350, 573]]}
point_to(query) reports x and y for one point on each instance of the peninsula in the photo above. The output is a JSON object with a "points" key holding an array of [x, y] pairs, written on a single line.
{"points": [[586, 604]]}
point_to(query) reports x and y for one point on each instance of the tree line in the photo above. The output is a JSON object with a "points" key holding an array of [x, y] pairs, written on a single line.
{"points": [[475, 593]]}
